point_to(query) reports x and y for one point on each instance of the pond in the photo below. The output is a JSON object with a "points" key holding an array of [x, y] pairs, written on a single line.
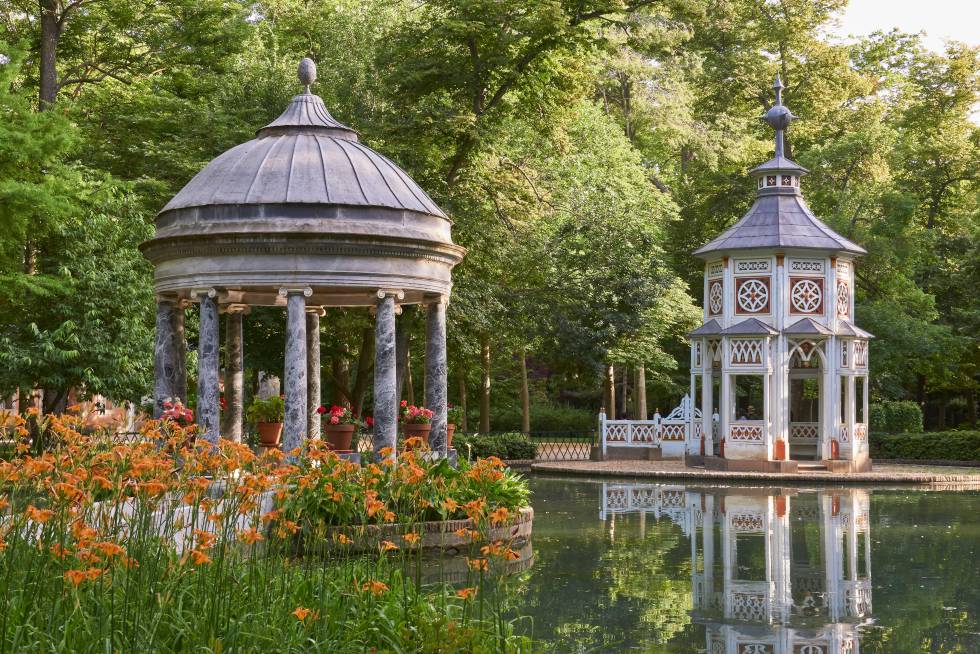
{"points": [[661, 567]]}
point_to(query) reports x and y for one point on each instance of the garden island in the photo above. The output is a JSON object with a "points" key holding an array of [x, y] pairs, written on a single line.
{"points": [[466, 326]]}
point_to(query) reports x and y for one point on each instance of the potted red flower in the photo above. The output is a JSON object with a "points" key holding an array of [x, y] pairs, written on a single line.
{"points": [[416, 421], [267, 416], [338, 425], [182, 417]]}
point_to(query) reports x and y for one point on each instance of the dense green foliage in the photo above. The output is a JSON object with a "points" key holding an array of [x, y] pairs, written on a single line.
{"points": [[895, 417], [509, 447], [932, 446], [546, 418], [583, 150]]}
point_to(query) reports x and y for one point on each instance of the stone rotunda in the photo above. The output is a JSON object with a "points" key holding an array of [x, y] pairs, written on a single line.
{"points": [[305, 217], [779, 366]]}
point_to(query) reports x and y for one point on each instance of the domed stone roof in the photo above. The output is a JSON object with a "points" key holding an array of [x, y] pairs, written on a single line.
{"points": [[304, 202], [304, 156]]}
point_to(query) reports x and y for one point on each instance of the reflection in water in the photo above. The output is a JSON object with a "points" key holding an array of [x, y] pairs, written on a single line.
{"points": [[771, 573]]}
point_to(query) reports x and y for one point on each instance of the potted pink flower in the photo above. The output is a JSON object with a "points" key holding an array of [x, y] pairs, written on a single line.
{"points": [[338, 424], [416, 421]]}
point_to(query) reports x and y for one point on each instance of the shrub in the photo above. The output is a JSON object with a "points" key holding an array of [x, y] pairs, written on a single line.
{"points": [[270, 410], [937, 446], [545, 417], [896, 417], [511, 446]]}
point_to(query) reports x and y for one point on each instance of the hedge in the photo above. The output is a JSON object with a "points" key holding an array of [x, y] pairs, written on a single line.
{"points": [[896, 417], [512, 446], [934, 446], [544, 418]]}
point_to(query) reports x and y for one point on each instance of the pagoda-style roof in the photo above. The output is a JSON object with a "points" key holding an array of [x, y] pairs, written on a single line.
{"points": [[850, 330], [710, 328], [807, 327], [779, 218], [750, 327]]}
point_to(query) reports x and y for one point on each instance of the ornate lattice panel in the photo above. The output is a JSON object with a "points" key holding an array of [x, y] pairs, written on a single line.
{"points": [[714, 353], [743, 522], [672, 432], [756, 648], [804, 430], [673, 499], [616, 433], [860, 431], [746, 433], [843, 299], [752, 266], [697, 354], [752, 295], [644, 433], [698, 430], [750, 607], [716, 297], [806, 295], [747, 351], [716, 269], [842, 434], [617, 499], [861, 354], [844, 360], [806, 266], [643, 497]]}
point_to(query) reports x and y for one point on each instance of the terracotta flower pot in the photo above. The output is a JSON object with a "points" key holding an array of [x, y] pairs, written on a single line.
{"points": [[412, 430], [269, 434], [339, 436], [450, 428]]}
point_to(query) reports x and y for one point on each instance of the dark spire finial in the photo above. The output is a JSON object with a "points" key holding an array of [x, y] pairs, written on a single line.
{"points": [[779, 116], [307, 73]]}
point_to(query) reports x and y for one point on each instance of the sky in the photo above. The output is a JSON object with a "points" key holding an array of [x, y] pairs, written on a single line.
{"points": [[939, 19]]}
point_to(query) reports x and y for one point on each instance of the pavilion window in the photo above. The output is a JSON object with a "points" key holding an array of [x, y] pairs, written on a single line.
{"points": [[749, 399], [859, 401], [750, 556]]}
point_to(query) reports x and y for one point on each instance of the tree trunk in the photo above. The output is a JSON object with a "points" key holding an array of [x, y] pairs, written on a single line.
{"points": [[624, 394], [971, 408], [462, 398], [365, 359], [341, 379], [641, 392], [609, 392], [50, 34], [525, 396], [402, 357], [485, 389], [941, 418]]}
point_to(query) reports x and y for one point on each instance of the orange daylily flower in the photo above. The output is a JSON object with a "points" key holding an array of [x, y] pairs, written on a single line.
{"points": [[302, 613], [375, 587], [500, 515], [478, 564], [412, 537], [199, 557], [387, 546], [466, 593], [250, 536], [38, 515], [76, 577]]}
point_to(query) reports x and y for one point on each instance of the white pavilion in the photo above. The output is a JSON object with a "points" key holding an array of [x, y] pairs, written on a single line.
{"points": [[779, 366]]}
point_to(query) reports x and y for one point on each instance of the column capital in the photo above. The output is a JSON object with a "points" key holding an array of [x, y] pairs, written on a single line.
{"points": [[396, 293], [438, 299], [235, 307], [200, 292], [286, 291], [319, 311]]}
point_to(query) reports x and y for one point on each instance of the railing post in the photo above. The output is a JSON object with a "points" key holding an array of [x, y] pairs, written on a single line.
{"points": [[658, 427], [602, 430]]}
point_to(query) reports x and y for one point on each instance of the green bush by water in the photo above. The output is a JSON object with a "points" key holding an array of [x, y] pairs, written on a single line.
{"points": [[896, 417], [934, 446], [512, 446], [545, 418]]}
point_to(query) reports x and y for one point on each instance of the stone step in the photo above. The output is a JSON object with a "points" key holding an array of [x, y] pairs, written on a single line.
{"points": [[811, 466]]}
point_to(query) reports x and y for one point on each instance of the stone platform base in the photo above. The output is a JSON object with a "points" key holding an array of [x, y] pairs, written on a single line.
{"points": [[749, 465], [836, 465], [619, 453]]}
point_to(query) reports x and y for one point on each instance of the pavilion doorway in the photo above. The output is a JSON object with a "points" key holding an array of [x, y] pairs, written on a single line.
{"points": [[805, 391]]}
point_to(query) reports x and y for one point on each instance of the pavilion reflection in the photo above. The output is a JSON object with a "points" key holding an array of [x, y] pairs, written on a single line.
{"points": [[773, 571]]}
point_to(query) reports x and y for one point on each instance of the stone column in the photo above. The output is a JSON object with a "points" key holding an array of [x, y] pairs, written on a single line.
{"points": [[313, 400], [294, 377], [180, 347], [208, 367], [385, 398], [436, 374], [234, 373], [164, 356]]}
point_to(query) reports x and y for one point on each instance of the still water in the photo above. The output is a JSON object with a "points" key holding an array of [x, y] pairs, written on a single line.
{"points": [[659, 567]]}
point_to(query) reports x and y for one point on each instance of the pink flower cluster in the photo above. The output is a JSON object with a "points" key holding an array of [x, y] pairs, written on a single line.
{"points": [[177, 412], [415, 415], [339, 415]]}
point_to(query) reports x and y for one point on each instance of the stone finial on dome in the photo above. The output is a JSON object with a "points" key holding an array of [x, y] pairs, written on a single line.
{"points": [[307, 72]]}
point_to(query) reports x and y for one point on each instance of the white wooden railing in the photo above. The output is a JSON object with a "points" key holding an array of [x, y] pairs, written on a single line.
{"points": [[658, 432]]}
